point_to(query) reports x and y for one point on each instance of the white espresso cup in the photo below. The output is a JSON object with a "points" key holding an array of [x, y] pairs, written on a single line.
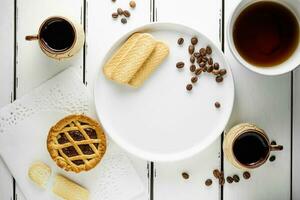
{"points": [[59, 37], [291, 61]]}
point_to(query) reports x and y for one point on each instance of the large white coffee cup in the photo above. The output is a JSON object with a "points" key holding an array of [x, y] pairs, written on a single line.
{"points": [[290, 64]]}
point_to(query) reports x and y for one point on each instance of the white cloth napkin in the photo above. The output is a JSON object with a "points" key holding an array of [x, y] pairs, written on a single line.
{"points": [[24, 126]]}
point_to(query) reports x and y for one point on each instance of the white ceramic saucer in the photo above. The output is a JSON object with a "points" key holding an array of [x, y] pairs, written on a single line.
{"points": [[161, 121]]}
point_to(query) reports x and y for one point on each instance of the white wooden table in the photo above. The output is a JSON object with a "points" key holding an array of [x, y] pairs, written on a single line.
{"points": [[270, 102]]}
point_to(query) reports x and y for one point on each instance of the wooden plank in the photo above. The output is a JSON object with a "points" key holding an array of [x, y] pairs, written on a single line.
{"points": [[33, 67], [101, 32], [265, 101], [296, 136], [204, 16], [6, 81]]}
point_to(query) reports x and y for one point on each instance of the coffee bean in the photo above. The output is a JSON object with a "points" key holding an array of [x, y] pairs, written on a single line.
{"points": [[246, 175], [126, 13], [208, 50], [208, 182], [180, 65], [216, 72], [199, 60], [210, 61], [132, 4], [198, 71], [205, 69], [189, 87], [202, 64], [120, 11], [197, 55], [192, 68], [115, 15], [202, 51], [113, 1], [194, 40], [216, 66], [185, 175], [221, 180], [194, 79], [180, 41], [217, 104], [272, 158], [216, 173], [210, 69], [124, 21], [219, 79], [192, 59], [236, 178], [204, 59], [229, 179], [223, 72], [273, 142], [191, 49]]}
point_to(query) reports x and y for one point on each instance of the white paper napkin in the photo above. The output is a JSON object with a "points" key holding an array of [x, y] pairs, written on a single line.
{"points": [[24, 126]]}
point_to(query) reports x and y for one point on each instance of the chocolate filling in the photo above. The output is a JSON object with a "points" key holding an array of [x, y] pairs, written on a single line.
{"points": [[77, 136]]}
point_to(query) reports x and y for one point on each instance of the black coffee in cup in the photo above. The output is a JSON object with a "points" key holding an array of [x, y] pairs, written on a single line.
{"points": [[57, 34], [266, 33], [250, 148]]}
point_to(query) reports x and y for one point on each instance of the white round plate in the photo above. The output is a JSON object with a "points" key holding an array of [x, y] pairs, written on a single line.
{"points": [[161, 121]]}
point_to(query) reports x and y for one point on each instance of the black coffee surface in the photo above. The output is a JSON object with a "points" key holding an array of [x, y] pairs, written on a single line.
{"points": [[266, 33], [58, 34], [249, 148]]}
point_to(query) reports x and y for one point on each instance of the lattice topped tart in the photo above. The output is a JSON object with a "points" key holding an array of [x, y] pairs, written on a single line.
{"points": [[76, 143]]}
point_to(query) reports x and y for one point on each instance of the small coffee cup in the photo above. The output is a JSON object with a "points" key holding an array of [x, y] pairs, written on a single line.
{"points": [[247, 147], [59, 37], [264, 36]]}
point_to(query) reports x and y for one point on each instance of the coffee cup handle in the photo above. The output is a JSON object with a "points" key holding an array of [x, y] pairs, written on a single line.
{"points": [[31, 37], [276, 147]]}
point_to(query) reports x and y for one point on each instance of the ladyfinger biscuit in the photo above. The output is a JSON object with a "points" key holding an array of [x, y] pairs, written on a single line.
{"points": [[159, 53], [134, 60], [39, 173], [115, 60], [69, 190]]}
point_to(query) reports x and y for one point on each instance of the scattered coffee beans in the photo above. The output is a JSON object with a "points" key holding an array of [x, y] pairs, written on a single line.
{"points": [[185, 175], [236, 178], [132, 4], [217, 105], [223, 72], [229, 179], [180, 65], [202, 52], [246, 175], [180, 41], [124, 20], [192, 59], [272, 158], [194, 40], [115, 15], [202, 58], [208, 182], [210, 69], [189, 87], [198, 71], [120, 11], [216, 173], [194, 79], [126, 13], [219, 79], [192, 68], [208, 50], [191, 49]]}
